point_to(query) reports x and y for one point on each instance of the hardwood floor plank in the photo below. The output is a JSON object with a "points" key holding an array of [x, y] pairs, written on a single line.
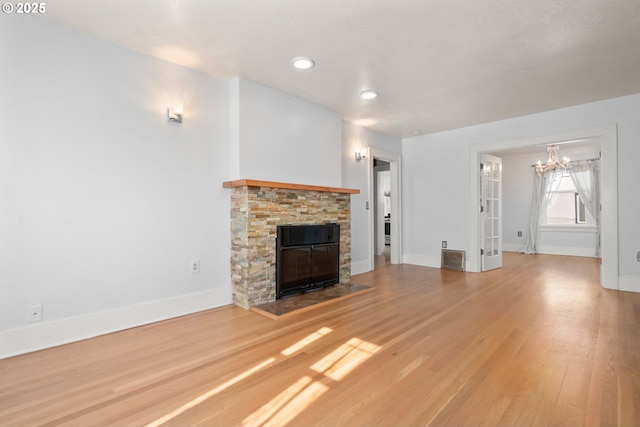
{"points": [[537, 342]]}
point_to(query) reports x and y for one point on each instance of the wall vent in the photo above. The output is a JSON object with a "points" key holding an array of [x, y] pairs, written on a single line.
{"points": [[452, 260]]}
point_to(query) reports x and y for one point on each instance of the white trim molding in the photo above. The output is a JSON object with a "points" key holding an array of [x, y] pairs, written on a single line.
{"points": [[567, 251], [630, 283], [360, 267], [38, 336], [554, 250], [568, 229]]}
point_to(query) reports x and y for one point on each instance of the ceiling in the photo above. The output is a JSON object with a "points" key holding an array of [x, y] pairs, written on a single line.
{"points": [[437, 64]]}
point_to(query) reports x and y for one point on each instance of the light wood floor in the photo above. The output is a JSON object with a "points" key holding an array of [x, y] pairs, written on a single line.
{"points": [[537, 342]]}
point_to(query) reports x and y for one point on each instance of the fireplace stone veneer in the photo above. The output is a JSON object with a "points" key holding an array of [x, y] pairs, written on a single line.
{"points": [[257, 208]]}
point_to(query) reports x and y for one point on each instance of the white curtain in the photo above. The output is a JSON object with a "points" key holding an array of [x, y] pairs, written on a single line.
{"points": [[585, 176], [545, 186]]}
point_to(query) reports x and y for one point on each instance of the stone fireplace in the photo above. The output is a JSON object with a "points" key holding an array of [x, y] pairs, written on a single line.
{"points": [[257, 208]]}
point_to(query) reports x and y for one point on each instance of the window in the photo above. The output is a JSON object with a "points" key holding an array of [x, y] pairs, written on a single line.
{"points": [[581, 211], [566, 206]]}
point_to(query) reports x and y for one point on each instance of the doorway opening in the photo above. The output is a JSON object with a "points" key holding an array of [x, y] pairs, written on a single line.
{"points": [[566, 227], [382, 211], [607, 135], [385, 190]]}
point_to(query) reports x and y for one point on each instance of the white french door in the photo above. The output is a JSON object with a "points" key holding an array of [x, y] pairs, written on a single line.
{"points": [[491, 211]]}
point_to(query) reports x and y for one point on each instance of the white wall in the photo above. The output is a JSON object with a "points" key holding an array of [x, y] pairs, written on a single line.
{"points": [[436, 197], [286, 139], [103, 202], [435, 187], [517, 187], [355, 175]]}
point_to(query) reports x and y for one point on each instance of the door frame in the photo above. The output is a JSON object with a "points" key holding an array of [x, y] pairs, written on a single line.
{"points": [[608, 135], [395, 168]]}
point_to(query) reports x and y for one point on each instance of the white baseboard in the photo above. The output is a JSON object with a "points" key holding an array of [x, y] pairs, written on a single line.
{"points": [[38, 336], [423, 260], [629, 283], [430, 261], [554, 250], [359, 267], [567, 250]]}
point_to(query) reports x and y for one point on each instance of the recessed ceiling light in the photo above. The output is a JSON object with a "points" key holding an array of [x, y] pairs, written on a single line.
{"points": [[302, 63], [368, 94]]}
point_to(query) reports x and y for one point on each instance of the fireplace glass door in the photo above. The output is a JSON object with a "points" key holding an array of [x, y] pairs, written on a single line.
{"points": [[295, 271], [326, 263], [307, 258]]}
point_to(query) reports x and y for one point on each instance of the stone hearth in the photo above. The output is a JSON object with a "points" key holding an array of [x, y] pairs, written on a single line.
{"points": [[257, 208]]}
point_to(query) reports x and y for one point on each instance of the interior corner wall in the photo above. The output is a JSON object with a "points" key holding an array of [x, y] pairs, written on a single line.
{"points": [[104, 202], [355, 175], [436, 197], [286, 139]]}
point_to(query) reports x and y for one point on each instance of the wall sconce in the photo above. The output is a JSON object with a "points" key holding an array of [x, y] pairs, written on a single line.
{"points": [[174, 114], [359, 156]]}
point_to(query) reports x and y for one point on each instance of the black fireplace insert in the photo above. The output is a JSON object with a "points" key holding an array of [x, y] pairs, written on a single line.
{"points": [[307, 258]]}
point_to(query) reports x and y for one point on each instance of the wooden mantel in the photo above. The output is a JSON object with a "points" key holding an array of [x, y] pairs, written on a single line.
{"points": [[285, 185]]}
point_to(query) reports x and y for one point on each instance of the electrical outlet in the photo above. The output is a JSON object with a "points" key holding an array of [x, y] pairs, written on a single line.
{"points": [[519, 233], [194, 266], [34, 313], [444, 244]]}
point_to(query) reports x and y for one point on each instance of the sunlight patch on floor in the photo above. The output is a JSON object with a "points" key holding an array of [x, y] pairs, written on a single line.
{"points": [[285, 406], [297, 404], [340, 362], [335, 366], [210, 393], [306, 341]]}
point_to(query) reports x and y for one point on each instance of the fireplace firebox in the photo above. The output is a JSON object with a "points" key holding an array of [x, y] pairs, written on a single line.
{"points": [[307, 258]]}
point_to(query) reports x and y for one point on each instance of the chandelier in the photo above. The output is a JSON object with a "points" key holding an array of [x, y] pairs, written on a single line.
{"points": [[553, 164]]}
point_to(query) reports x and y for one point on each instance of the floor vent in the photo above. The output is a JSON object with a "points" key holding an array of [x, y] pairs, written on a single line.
{"points": [[452, 260]]}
